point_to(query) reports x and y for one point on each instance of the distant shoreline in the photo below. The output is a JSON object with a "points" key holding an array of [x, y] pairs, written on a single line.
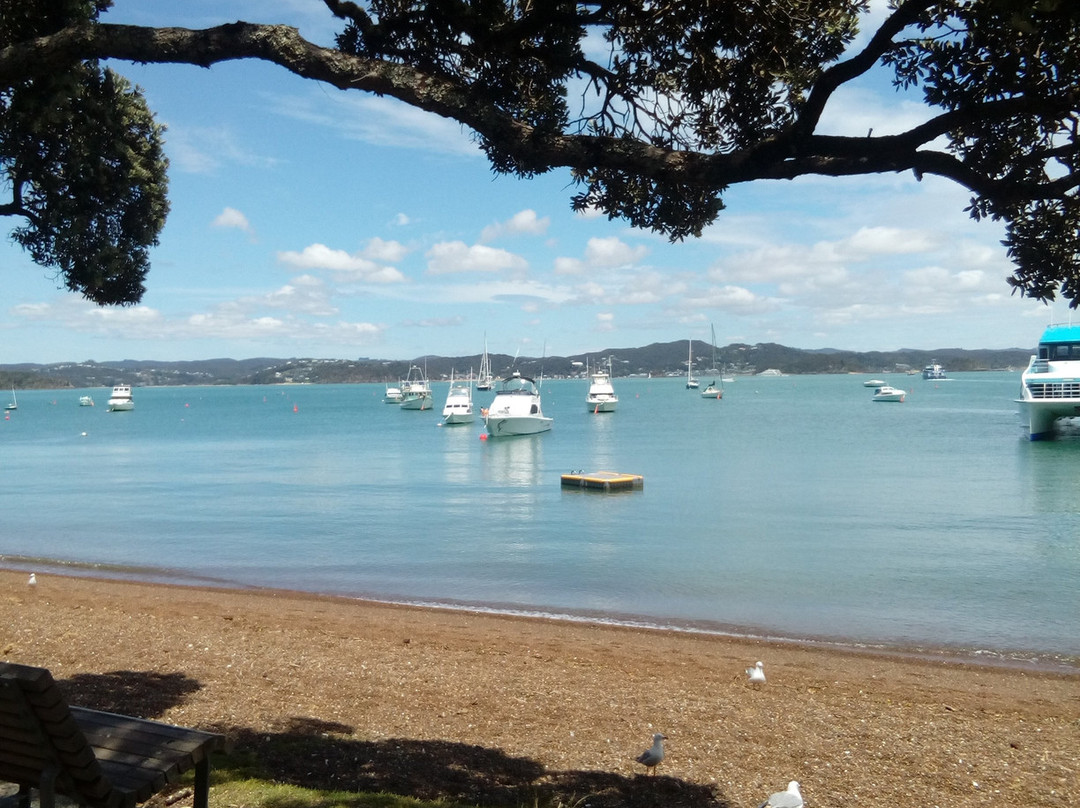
{"points": [[662, 360]]}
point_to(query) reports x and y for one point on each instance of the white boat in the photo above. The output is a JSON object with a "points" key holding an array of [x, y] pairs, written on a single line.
{"points": [[86, 401], [14, 405], [601, 396], [712, 391], [458, 408], [485, 381], [415, 391], [392, 394], [691, 382], [516, 409], [935, 372], [874, 383], [770, 372], [887, 393], [120, 400], [1050, 386]]}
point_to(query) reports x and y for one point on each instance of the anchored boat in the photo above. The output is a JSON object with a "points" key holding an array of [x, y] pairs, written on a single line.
{"points": [[1050, 386]]}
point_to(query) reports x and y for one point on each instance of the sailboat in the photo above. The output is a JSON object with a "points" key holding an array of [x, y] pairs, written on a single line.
{"points": [[485, 381], [691, 382], [711, 390], [14, 405]]}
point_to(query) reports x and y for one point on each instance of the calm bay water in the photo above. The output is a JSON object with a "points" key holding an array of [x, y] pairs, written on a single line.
{"points": [[795, 507]]}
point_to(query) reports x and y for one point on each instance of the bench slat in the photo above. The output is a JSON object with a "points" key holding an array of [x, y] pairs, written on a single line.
{"points": [[103, 760]]}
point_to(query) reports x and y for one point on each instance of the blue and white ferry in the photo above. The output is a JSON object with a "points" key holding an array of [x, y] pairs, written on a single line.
{"points": [[1050, 386]]}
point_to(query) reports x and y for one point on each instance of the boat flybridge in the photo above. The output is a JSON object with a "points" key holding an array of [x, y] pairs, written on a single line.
{"points": [[1050, 386]]}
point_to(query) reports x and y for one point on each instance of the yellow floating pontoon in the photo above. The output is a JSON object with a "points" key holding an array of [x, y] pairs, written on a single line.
{"points": [[603, 480]]}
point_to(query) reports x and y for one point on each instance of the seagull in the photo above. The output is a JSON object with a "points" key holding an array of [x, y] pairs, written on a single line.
{"points": [[33, 581], [756, 673], [791, 798], [654, 755]]}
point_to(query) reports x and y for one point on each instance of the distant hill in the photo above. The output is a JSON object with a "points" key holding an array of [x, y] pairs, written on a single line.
{"points": [[658, 359]]}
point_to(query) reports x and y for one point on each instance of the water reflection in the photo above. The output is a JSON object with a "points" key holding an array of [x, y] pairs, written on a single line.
{"points": [[514, 461]]}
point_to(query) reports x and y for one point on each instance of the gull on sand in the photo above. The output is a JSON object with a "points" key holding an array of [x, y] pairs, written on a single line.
{"points": [[32, 581], [654, 755], [756, 673], [791, 798]]}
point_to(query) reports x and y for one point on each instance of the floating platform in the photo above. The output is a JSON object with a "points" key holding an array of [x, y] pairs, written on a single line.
{"points": [[603, 481]]}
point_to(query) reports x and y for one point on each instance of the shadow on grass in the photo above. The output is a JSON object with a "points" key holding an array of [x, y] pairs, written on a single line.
{"points": [[453, 772], [321, 755]]}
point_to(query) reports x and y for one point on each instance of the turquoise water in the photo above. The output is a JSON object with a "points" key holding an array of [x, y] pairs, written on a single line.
{"points": [[795, 507]]}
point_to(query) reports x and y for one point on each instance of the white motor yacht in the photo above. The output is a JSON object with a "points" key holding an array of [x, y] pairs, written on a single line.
{"points": [[887, 393], [415, 391], [1050, 386], [459, 405], [601, 396], [516, 409], [121, 400]]}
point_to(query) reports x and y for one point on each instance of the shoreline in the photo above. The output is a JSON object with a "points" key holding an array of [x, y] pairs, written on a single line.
{"points": [[1022, 659], [406, 698]]}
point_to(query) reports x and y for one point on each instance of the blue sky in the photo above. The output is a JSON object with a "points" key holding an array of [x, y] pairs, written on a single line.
{"points": [[311, 222]]}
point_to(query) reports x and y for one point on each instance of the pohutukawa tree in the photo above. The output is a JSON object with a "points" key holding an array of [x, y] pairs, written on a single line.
{"points": [[687, 100]]}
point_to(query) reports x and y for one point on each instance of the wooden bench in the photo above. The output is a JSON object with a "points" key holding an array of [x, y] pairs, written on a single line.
{"points": [[97, 759]]}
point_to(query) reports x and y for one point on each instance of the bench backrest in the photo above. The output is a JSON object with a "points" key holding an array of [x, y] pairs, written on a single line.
{"points": [[40, 737]]}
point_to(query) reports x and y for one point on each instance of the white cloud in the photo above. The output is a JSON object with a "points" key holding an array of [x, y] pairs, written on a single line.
{"points": [[205, 150], [233, 219], [613, 252], [387, 251], [524, 222], [376, 120], [449, 257], [354, 266]]}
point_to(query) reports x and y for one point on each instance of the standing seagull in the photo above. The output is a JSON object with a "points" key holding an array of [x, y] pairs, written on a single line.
{"points": [[654, 755], [33, 581], [792, 798], [756, 673]]}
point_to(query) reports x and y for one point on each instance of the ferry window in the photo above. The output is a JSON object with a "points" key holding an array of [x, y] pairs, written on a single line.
{"points": [[1044, 352]]}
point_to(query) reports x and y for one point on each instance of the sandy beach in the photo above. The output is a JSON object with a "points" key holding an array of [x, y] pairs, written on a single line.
{"points": [[337, 693]]}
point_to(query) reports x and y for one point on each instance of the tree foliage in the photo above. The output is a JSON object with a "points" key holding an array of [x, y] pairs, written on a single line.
{"points": [[83, 158], [658, 106]]}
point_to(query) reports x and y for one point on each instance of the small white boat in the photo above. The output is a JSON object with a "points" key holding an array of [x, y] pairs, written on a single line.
{"points": [[485, 381], [712, 391], [121, 400], [516, 409], [934, 372], [887, 393], [392, 394], [415, 391], [86, 401], [14, 405], [1050, 386], [874, 383], [691, 382], [459, 405], [601, 396]]}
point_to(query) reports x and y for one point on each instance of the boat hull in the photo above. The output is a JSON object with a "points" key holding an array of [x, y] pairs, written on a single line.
{"points": [[1050, 385], [601, 404], [504, 426], [416, 402], [121, 405]]}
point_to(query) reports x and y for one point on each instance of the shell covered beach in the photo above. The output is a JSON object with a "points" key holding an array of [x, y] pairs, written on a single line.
{"points": [[499, 710]]}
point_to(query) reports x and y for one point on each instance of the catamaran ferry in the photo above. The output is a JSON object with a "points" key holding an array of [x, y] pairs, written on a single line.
{"points": [[1050, 387]]}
